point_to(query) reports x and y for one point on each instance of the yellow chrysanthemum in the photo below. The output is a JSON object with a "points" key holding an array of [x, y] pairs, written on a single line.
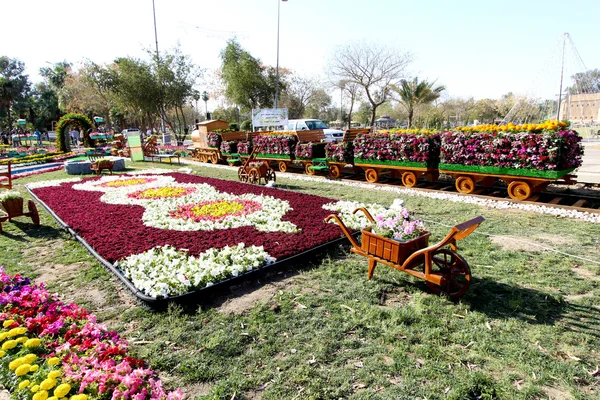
{"points": [[3, 336], [16, 363], [33, 342], [9, 344], [24, 384], [53, 398], [48, 384], [79, 397], [21, 339], [2, 353], [41, 395], [17, 331], [22, 370], [34, 368], [62, 390], [8, 323], [35, 388], [53, 361], [29, 358], [54, 374]]}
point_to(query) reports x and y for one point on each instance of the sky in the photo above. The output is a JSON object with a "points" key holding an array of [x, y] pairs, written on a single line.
{"points": [[480, 49]]}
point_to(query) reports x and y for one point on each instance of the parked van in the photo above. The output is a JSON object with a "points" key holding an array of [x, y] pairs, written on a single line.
{"points": [[331, 135]]}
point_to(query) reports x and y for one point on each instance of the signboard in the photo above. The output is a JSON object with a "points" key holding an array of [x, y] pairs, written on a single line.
{"points": [[134, 141], [21, 122], [269, 117], [98, 120]]}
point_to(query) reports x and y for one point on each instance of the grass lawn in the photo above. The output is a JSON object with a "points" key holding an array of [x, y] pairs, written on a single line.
{"points": [[528, 328]]}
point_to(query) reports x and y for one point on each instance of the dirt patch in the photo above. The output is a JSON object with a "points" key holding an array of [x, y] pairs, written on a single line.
{"points": [[254, 395], [514, 243], [194, 390], [247, 300], [555, 393], [57, 272], [586, 274], [555, 239]]}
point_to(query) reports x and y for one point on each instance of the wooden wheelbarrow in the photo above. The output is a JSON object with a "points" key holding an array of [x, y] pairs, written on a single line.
{"points": [[444, 270]]}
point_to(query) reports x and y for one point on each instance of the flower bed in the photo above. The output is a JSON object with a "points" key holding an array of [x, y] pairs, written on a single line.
{"points": [[545, 151], [172, 234], [308, 151], [280, 145], [413, 149], [50, 348], [228, 147]]}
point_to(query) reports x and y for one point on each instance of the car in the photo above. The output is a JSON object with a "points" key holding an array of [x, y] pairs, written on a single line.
{"points": [[331, 135]]}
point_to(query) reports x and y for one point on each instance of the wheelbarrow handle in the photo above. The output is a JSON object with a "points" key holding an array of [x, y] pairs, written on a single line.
{"points": [[344, 229], [366, 212]]}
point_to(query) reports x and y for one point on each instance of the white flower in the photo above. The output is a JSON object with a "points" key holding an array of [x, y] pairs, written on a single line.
{"points": [[166, 271], [55, 182]]}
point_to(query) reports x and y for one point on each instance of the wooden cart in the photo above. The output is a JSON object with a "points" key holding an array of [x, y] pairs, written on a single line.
{"points": [[409, 175], [253, 173], [444, 270], [520, 187]]}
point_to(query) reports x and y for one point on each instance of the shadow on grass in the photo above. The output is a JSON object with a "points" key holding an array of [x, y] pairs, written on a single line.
{"points": [[37, 232], [503, 301]]}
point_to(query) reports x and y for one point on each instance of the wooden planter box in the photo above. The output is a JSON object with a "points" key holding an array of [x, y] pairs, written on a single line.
{"points": [[392, 250], [13, 207]]}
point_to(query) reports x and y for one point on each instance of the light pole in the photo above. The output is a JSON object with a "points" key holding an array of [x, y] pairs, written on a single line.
{"points": [[277, 69], [162, 111]]}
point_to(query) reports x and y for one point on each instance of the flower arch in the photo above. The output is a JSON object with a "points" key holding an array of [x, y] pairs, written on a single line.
{"points": [[81, 121]]}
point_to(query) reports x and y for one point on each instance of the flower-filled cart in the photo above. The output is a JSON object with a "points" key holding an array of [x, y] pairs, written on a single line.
{"points": [[526, 157], [443, 269]]}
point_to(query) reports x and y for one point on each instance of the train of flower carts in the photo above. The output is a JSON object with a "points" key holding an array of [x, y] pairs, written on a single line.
{"points": [[526, 157]]}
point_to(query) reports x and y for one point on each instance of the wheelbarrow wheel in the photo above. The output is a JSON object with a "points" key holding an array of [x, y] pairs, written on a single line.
{"points": [[254, 176], [242, 174], [454, 270]]}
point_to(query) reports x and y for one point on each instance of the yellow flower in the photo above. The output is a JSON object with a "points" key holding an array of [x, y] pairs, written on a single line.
{"points": [[17, 331], [62, 390], [8, 323], [34, 368], [22, 339], [24, 384], [48, 384], [54, 374], [33, 342], [9, 344], [53, 361], [22, 370], [35, 388], [2, 353], [3, 336], [79, 397], [41, 395], [16, 363], [30, 358], [53, 398]]}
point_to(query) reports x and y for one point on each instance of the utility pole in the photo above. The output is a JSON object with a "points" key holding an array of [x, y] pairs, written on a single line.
{"points": [[277, 68], [162, 110], [562, 69]]}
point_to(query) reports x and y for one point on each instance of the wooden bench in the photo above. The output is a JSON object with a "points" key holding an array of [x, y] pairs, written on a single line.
{"points": [[233, 136], [7, 173], [151, 151], [312, 136], [351, 134]]}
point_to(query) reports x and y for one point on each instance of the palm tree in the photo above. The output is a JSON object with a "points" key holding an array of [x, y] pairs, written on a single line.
{"points": [[414, 93], [205, 99]]}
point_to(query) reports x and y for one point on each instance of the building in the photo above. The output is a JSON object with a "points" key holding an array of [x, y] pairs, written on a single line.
{"points": [[385, 122], [583, 108]]}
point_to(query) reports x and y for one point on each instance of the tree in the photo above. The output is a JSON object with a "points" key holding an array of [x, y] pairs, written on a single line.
{"points": [[586, 82], [319, 105], [374, 68], [205, 100], [414, 93], [248, 83], [56, 77], [298, 94], [14, 86], [352, 90], [485, 110]]}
